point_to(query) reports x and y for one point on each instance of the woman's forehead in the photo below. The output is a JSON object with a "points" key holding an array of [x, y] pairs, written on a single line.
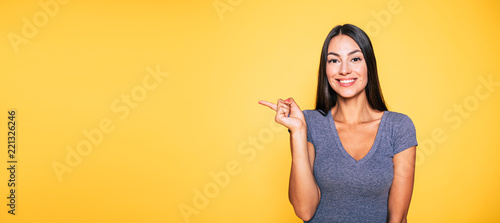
{"points": [[342, 44]]}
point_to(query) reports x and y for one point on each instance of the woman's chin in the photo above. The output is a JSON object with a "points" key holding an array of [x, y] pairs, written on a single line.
{"points": [[349, 94]]}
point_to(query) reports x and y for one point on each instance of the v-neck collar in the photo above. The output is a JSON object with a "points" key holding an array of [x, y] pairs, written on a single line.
{"points": [[341, 147]]}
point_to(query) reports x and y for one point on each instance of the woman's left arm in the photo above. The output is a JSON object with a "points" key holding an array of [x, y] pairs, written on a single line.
{"points": [[402, 185]]}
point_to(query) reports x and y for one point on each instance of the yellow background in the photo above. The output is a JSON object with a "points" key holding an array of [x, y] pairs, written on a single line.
{"points": [[203, 115]]}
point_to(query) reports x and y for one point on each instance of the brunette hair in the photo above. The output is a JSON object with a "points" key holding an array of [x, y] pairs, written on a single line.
{"points": [[326, 97]]}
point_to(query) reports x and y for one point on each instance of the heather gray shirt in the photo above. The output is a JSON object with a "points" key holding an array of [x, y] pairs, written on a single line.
{"points": [[356, 191]]}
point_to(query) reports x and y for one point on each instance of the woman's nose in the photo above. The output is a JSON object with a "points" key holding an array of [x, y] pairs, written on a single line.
{"points": [[345, 69]]}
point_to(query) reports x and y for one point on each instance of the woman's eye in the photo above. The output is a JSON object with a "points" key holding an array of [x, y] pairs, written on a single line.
{"points": [[356, 59], [333, 61]]}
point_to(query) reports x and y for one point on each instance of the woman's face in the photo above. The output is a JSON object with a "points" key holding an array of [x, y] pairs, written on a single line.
{"points": [[346, 67]]}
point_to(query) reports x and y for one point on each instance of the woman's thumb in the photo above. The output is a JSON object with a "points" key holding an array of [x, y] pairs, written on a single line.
{"points": [[293, 104]]}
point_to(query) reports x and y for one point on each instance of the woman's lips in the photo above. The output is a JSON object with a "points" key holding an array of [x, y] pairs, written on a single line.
{"points": [[346, 82]]}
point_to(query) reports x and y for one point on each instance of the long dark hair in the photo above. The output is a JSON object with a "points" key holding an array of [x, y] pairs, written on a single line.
{"points": [[326, 97]]}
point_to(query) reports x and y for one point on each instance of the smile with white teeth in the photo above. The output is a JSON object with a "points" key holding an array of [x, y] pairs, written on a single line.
{"points": [[346, 81]]}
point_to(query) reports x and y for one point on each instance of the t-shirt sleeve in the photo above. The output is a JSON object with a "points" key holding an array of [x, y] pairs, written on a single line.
{"points": [[405, 135], [308, 124]]}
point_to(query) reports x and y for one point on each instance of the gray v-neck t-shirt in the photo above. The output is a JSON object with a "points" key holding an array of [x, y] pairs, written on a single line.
{"points": [[356, 191]]}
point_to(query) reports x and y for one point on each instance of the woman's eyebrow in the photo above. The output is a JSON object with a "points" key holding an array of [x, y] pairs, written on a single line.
{"points": [[353, 52], [350, 53]]}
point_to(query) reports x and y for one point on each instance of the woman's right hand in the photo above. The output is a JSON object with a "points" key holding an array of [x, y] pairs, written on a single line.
{"points": [[303, 191], [288, 114]]}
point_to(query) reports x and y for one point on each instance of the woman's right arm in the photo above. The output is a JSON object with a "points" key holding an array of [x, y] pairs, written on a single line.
{"points": [[303, 192]]}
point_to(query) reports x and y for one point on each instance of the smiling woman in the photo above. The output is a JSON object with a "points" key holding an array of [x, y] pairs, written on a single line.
{"points": [[364, 63], [352, 159]]}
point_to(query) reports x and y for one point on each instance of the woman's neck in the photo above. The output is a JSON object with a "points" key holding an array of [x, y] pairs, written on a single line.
{"points": [[354, 110]]}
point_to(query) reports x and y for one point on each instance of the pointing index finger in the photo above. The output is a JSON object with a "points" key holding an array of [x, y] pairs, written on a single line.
{"points": [[268, 104]]}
